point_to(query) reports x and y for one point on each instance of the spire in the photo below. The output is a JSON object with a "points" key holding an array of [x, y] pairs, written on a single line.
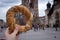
{"points": [[48, 5]]}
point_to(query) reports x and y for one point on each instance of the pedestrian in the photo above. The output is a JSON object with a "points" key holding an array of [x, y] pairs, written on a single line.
{"points": [[38, 25], [47, 26], [0, 28], [55, 26], [43, 26], [35, 27]]}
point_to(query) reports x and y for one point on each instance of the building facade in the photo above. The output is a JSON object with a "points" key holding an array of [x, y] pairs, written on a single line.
{"points": [[46, 13], [53, 14]]}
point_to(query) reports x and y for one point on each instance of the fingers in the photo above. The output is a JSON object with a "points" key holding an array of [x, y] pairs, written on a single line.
{"points": [[7, 31]]}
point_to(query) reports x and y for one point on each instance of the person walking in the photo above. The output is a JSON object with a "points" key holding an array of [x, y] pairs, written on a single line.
{"points": [[43, 26]]}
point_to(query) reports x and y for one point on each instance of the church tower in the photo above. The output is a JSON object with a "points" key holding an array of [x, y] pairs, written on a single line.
{"points": [[48, 5], [32, 5]]}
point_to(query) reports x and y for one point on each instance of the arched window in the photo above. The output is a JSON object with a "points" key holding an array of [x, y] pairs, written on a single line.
{"points": [[31, 4]]}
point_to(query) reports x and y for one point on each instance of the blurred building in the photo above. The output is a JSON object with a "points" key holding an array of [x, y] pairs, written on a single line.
{"points": [[2, 23], [53, 14], [42, 20], [46, 12], [33, 6]]}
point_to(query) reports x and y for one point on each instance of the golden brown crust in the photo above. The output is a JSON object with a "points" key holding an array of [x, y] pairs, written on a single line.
{"points": [[12, 22]]}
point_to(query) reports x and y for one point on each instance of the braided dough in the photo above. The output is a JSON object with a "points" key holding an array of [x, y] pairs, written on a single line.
{"points": [[11, 21]]}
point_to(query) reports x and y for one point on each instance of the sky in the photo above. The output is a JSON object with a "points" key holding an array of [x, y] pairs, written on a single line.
{"points": [[42, 6], [6, 4]]}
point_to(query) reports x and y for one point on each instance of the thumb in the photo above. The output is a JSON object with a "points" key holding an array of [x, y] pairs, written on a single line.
{"points": [[15, 31]]}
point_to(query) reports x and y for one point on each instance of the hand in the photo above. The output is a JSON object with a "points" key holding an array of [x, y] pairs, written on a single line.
{"points": [[11, 36]]}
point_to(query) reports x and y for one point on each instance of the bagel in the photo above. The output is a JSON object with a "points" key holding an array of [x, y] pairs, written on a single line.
{"points": [[11, 21]]}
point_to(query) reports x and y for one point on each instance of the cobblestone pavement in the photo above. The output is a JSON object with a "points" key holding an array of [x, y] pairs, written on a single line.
{"points": [[47, 34]]}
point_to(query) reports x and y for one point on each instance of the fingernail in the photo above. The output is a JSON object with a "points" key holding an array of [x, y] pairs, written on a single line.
{"points": [[16, 28]]}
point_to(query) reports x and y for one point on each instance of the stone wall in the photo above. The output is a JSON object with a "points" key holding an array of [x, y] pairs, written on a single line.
{"points": [[55, 17]]}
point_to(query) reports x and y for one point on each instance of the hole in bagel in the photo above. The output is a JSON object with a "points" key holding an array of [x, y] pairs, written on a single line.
{"points": [[20, 18]]}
